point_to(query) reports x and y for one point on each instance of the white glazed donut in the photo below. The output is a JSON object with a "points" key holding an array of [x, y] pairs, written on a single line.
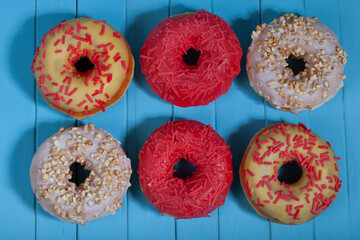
{"points": [[300, 38], [101, 193]]}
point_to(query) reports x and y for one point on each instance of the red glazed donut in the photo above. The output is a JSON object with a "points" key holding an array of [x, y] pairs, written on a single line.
{"points": [[191, 59], [198, 195]]}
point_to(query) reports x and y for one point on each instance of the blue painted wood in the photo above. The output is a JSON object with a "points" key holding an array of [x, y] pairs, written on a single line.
{"points": [[349, 31], [239, 115], [48, 120], [112, 120], [334, 222], [17, 111], [146, 112], [236, 116]]}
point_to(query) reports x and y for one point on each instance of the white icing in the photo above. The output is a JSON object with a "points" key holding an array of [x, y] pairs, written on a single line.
{"points": [[310, 91], [82, 203]]}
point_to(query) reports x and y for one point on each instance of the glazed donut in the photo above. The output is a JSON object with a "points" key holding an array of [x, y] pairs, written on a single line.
{"points": [[191, 59], [283, 202], [83, 66], [301, 38], [206, 189], [100, 194]]}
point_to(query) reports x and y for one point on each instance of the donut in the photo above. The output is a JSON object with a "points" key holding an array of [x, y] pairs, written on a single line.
{"points": [[206, 189], [83, 66], [293, 200], [303, 40], [191, 59], [101, 192]]}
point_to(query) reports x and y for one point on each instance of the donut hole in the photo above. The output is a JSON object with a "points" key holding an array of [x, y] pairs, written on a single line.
{"points": [[191, 56], [184, 169], [78, 173], [296, 64], [290, 172], [84, 64]]}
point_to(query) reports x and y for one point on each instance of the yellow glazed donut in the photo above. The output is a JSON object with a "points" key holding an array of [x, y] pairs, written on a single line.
{"points": [[83, 66], [292, 38], [102, 191], [305, 197]]}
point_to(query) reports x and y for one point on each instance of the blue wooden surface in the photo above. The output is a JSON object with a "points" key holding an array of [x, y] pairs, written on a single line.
{"points": [[26, 120]]}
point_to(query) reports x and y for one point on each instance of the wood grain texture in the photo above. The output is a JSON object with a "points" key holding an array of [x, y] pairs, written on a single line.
{"points": [[26, 121], [239, 115], [17, 128], [349, 31], [48, 120], [325, 225], [146, 112]]}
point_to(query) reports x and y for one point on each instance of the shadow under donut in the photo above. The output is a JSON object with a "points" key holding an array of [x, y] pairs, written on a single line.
{"points": [[136, 34], [239, 141], [20, 163], [20, 55], [134, 141], [243, 29], [22, 50]]}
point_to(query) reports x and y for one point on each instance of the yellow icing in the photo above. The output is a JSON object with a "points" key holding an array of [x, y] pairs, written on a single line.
{"points": [[53, 63]]}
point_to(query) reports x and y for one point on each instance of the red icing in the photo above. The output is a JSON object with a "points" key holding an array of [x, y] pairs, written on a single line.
{"points": [[198, 195], [181, 84]]}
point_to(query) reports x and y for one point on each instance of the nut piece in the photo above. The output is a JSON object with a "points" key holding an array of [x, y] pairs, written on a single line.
{"points": [[271, 83], [324, 94]]}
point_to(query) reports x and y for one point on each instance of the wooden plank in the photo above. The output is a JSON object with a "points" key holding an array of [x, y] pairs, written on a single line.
{"points": [[239, 115], [269, 11], [48, 120], [17, 135], [348, 19], [334, 222], [112, 120], [236, 116], [200, 228], [146, 112]]}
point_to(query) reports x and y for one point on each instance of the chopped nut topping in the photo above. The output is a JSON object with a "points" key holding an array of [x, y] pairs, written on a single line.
{"points": [[103, 180], [288, 36]]}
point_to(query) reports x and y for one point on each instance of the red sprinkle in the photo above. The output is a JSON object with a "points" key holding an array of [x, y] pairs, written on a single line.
{"points": [[116, 34], [57, 42], [102, 30], [266, 132], [88, 97], [248, 189], [80, 39], [82, 103], [70, 30], [260, 204], [73, 91]]}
